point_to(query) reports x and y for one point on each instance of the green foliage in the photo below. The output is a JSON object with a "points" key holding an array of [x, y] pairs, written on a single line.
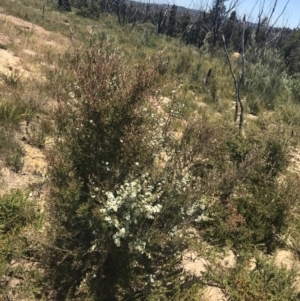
{"points": [[290, 114], [64, 4], [171, 27], [183, 62], [263, 281], [118, 218], [10, 151], [295, 87], [15, 160], [15, 212], [183, 27], [291, 52], [17, 218], [249, 207], [87, 9], [11, 113], [111, 212], [264, 77]]}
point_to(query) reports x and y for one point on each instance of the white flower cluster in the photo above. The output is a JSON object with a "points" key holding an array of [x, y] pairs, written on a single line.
{"points": [[183, 182], [131, 203], [139, 246], [177, 109], [197, 211]]}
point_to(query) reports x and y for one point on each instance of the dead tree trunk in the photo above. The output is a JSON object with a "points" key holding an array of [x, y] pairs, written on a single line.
{"points": [[237, 86]]}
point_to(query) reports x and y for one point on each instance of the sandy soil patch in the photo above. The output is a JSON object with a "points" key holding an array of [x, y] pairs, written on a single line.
{"points": [[201, 104], [197, 265], [10, 65], [8, 60], [213, 294], [161, 160], [34, 161], [250, 117], [25, 24], [4, 40], [286, 259], [193, 263], [33, 171], [10, 181]]}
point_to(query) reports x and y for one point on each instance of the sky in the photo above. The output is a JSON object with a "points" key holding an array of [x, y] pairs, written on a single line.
{"points": [[290, 18]]}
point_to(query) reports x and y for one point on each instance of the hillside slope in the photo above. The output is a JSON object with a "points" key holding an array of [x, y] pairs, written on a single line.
{"points": [[123, 174]]}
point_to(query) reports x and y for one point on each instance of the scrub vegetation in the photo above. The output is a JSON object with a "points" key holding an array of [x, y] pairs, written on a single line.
{"points": [[158, 142]]}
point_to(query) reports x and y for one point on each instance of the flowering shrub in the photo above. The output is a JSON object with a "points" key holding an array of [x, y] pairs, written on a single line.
{"points": [[112, 213], [118, 222], [134, 201]]}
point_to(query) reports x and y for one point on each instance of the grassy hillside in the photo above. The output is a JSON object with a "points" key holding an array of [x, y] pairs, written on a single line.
{"points": [[123, 173]]}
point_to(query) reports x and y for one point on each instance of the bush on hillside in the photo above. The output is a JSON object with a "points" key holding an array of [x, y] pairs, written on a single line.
{"points": [[112, 213], [239, 178]]}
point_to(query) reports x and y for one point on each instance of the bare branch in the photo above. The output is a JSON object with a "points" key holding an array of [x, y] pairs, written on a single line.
{"points": [[273, 9], [237, 86], [261, 11], [279, 16]]}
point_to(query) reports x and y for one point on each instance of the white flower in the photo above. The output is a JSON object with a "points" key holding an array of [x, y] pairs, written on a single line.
{"points": [[117, 240], [122, 232], [110, 195], [116, 223], [107, 218], [151, 277]]}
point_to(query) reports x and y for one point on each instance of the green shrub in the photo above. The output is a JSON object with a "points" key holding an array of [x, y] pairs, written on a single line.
{"points": [[248, 205], [265, 73], [263, 281], [111, 211], [15, 212], [295, 88], [12, 112], [17, 216], [10, 151]]}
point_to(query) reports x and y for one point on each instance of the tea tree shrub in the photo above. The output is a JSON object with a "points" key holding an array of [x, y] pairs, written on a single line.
{"points": [[112, 214], [254, 279], [248, 206]]}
